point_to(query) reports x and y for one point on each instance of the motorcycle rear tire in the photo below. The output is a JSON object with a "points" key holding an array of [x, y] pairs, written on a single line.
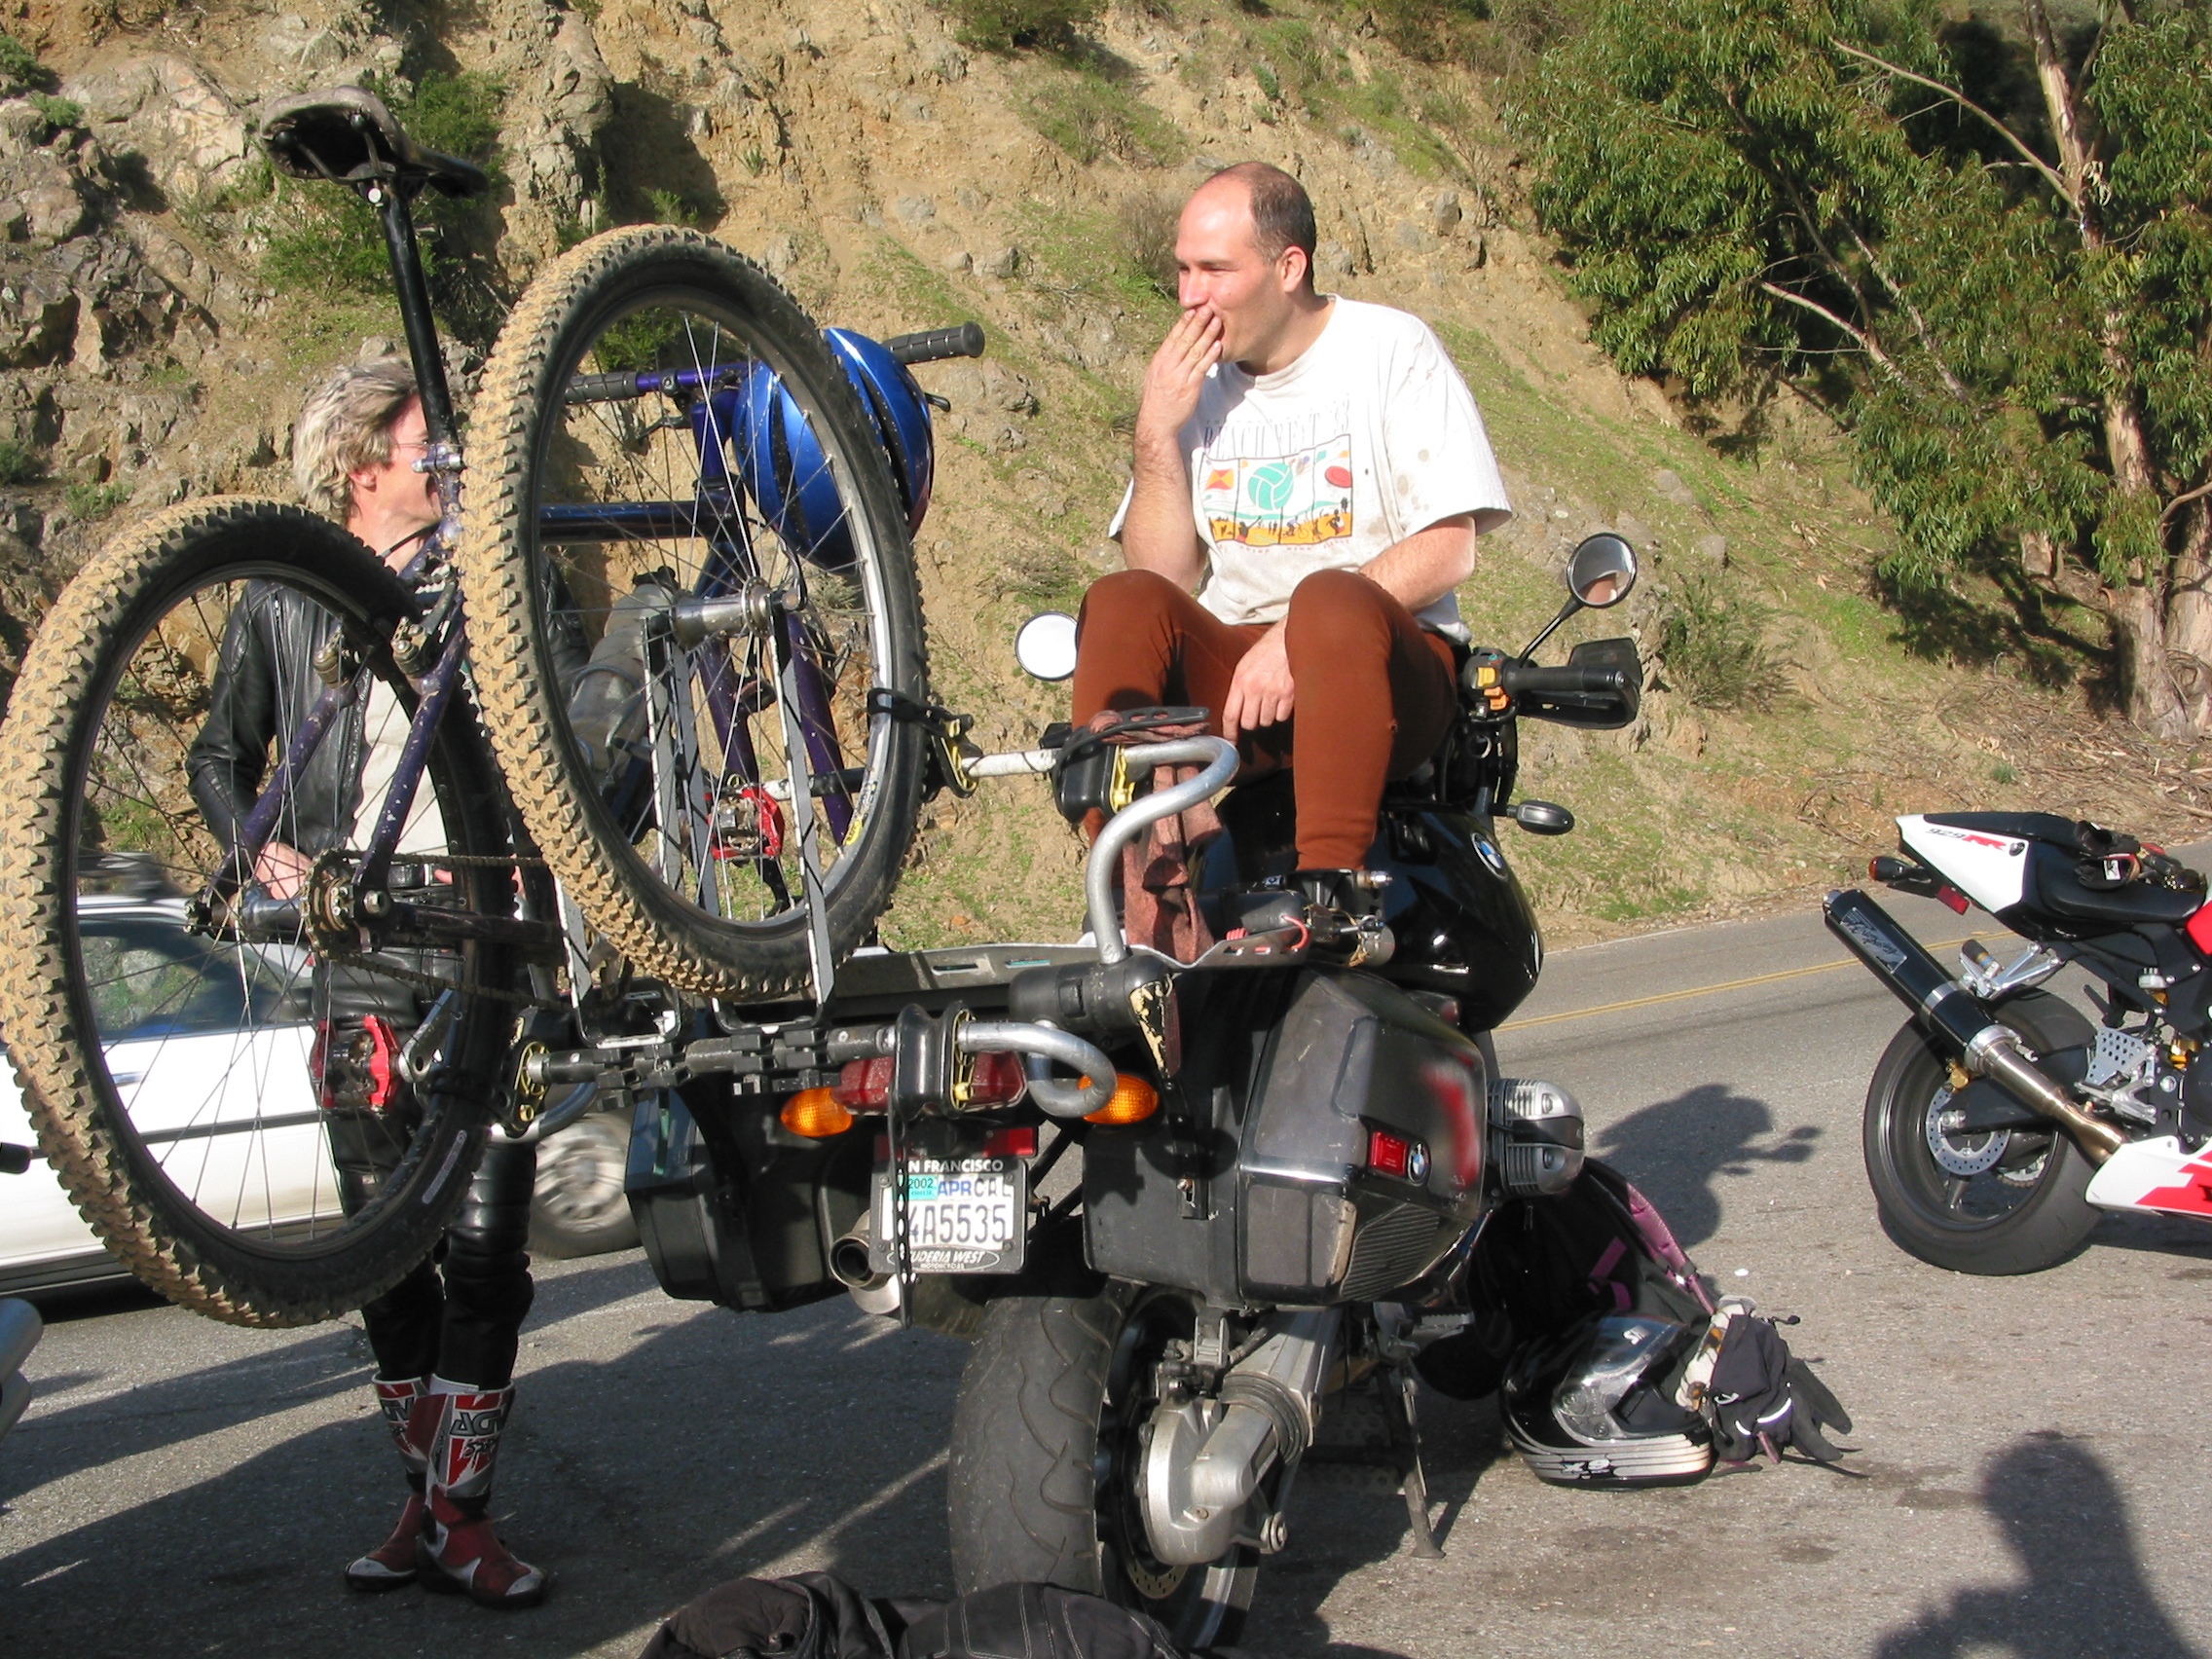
{"points": [[2050, 1224], [1044, 1436]]}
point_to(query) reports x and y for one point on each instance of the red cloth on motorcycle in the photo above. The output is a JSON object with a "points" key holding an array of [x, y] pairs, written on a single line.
{"points": [[1545, 1264], [1376, 691], [817, 1615]]}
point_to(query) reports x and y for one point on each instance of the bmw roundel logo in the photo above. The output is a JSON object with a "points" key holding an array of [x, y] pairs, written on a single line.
{"points": [[1417, 1164], [1490, 855]]}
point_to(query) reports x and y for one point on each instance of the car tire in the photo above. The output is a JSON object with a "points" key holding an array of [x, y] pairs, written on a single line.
{"points": [[577, 1206]]}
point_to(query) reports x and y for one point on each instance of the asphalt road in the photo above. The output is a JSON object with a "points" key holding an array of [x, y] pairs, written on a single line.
{"points": [[2029, 1479]]}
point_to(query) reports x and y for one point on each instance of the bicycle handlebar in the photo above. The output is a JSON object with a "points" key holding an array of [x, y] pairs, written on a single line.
{"points": [[963, 340]]}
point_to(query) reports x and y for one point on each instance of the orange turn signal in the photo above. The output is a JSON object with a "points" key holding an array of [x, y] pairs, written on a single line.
{"points": [[815, 1114], [1133, 1102]]}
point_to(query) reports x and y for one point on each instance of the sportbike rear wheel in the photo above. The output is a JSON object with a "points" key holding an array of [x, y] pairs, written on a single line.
{"points": [[180, 1067], [751, 665], [1997, 1202]]}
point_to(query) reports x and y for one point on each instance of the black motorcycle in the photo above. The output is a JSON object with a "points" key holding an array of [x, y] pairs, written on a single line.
{"points": [[1288, 1148]]}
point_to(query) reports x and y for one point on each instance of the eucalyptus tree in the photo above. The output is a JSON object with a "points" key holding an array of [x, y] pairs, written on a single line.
{"points": [[1987, 252]]}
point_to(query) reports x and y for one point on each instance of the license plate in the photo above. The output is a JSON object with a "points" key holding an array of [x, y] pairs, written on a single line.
{"points": [[964, 1215]]}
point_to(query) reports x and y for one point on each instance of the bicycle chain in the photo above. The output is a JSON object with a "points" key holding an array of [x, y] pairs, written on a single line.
{"points": [[393, 970]]}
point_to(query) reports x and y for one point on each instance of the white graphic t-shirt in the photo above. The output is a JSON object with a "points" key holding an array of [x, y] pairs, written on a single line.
{"points": [[1368, 437]]}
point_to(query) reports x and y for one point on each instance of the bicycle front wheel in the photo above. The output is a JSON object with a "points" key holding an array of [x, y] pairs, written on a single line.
{"points": [[694, 613], [226, 1098]]}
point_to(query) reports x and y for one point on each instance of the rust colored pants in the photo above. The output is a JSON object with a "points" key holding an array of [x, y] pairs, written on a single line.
{"points": [[1374, 689]]}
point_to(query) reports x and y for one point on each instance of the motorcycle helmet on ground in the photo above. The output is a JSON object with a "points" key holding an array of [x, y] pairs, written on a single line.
{"points": [[786, 473], [1593, 1405]]}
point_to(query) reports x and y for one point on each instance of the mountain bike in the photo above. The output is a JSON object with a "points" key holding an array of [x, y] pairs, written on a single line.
{"points": [[670, 654]]}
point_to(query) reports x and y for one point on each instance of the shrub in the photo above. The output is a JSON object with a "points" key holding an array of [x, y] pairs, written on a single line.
{"points": [[19, 65], [1090, 117], [19, 463], [1148, 242], [57, 112], [1433, 31], [1712, 647], [1012, 25], [94, 500]]}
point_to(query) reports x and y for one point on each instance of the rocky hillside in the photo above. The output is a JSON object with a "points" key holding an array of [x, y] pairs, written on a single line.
{"points": [[156, 328]]}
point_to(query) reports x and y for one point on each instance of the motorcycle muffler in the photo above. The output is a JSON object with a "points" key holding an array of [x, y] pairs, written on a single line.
{"points": [[872, 1292], [1960, 1020]]}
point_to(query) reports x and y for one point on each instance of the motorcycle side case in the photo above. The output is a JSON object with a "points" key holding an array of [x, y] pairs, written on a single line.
{"points": [[1258, 1187], [729, 1214]]}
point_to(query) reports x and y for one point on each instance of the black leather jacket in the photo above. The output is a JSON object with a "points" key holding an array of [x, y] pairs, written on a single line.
{"points": [[265, 686]]}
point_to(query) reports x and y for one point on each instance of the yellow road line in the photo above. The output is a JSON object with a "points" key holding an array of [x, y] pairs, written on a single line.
{"points": [[1706, 990]]}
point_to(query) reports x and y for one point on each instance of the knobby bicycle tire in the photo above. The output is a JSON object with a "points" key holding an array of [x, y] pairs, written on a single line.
{"points": [[660, 298], [125, 658]]}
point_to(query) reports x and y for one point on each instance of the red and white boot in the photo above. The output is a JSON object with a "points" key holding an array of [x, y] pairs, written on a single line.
{"points": [[410, 1412], [459, 1551]]}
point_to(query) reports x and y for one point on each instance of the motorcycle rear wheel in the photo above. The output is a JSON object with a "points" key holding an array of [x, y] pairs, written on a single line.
{"points": [[2023, 1213], [1047, 1440]]}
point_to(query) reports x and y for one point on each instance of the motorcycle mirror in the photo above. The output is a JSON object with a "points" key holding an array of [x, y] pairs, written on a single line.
{"points": [[1602, 570], [1044, 646]]}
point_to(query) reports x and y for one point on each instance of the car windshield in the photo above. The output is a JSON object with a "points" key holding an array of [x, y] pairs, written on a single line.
{"points": [[149, 978]]}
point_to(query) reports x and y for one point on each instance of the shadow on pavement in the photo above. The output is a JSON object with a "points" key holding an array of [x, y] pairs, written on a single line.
{"points": [[1344, 1518], [2081, 1587], [1675, 1150], [56, 1438], [717, 1447]]}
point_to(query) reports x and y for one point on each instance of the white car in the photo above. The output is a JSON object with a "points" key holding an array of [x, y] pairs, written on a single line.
{"points": [[220, 1090]]}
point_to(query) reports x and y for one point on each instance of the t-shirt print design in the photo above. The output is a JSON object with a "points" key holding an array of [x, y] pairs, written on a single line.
{"points": [[1299, 500]]}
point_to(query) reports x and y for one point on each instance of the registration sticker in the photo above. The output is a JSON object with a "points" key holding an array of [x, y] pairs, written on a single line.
{"points": [[964, 1215]]}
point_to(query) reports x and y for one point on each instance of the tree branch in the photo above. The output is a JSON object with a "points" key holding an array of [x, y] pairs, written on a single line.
{"points": [[1919, 323], [1865, 341], [2051, 175], [2179, 501]]}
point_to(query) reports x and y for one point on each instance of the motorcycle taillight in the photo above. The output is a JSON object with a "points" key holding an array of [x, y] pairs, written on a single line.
{"points": [[864, 1086], [997, 1081], [356, 1064]]}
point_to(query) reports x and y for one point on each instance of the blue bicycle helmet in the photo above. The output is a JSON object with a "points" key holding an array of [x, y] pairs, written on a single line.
{"points": [[783, 465]]}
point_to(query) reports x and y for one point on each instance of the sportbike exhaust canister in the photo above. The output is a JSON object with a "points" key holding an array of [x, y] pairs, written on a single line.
{"points": [[1959, 1019]]}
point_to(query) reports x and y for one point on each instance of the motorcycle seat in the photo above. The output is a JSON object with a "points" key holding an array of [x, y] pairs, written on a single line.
{"points": [[347, 134], [2060, 892]]}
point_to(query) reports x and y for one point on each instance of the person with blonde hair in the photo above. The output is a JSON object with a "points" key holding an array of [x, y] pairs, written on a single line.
{"points": [[445, 1337]]}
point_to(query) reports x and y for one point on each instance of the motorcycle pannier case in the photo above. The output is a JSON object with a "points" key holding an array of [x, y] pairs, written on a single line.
{"points": [[1347, 1156]]}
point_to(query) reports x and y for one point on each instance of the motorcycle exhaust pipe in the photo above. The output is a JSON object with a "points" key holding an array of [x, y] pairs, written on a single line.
{"points": [[1959, 1019], [872, 1292]]}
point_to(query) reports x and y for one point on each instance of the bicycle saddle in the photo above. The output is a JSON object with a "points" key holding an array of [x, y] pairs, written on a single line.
{"points": [[347, 134]]}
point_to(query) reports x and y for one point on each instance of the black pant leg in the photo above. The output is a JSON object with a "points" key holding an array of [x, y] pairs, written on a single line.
{"points": [[487, 1289]]}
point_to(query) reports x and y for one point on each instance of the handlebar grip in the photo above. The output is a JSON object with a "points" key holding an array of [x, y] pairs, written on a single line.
{"points": [[619, 388], [1517, 678], [964, 340]]}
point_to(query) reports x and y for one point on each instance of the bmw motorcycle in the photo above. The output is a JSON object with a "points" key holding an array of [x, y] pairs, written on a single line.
{"points": [[1289, 1148], [2001, 1120]]}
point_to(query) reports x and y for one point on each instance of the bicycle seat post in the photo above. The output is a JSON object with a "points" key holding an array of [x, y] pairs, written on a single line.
{"points": [[390, 198]]}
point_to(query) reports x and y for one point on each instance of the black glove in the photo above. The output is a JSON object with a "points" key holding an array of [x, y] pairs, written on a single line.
{"points": [[1761, 1397]]}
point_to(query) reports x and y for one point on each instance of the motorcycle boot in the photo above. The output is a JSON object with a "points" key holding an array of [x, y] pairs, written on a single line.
{"points": [[459, 1551], [410, 1412]]}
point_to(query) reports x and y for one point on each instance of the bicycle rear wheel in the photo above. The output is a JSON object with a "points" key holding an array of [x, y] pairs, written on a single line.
{"points": [[208, 1091], [752, 665]]}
